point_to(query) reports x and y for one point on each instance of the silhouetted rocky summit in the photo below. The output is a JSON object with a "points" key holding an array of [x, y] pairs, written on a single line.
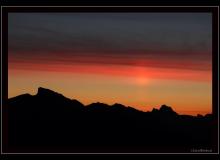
{"points": [[50, 122]]}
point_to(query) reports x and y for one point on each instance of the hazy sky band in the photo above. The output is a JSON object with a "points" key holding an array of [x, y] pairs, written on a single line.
{"points": [[149, 34], [142, 39]]}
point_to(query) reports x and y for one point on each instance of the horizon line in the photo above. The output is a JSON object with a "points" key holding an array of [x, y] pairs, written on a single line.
{"points": [[110, 104]]}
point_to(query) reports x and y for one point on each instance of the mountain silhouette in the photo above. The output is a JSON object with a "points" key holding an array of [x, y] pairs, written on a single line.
{"points": [[50, 122]]}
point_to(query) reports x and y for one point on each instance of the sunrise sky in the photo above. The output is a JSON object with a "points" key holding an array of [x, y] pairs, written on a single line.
{"points": [[141, 60]]}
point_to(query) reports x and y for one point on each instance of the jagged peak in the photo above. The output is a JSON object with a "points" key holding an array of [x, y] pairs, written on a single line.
{"points": [[25, 95], [166, 109], [44, 91], [118, 105], [98, 103]]}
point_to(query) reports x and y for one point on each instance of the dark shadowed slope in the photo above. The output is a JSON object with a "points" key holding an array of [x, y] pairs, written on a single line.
{"points": [[50, 122]]}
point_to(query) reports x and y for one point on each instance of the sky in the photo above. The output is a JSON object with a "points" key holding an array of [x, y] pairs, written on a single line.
{"points": [[142, 60]]}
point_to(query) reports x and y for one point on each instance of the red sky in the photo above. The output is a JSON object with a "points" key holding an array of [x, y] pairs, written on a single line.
{"points": [[141, 60]]}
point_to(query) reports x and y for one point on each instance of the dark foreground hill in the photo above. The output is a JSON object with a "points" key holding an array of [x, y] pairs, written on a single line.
{"points": [[50, 122]]}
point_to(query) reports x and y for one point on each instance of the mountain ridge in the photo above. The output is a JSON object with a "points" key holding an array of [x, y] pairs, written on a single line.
{"points": [[44, 92], [50, 122]]}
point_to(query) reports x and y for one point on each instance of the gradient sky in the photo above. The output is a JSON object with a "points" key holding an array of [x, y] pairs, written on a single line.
{"points": [[141, 60]]}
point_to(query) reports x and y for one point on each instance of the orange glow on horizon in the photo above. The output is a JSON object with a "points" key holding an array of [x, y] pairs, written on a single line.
{"points": [[187, 91]]}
